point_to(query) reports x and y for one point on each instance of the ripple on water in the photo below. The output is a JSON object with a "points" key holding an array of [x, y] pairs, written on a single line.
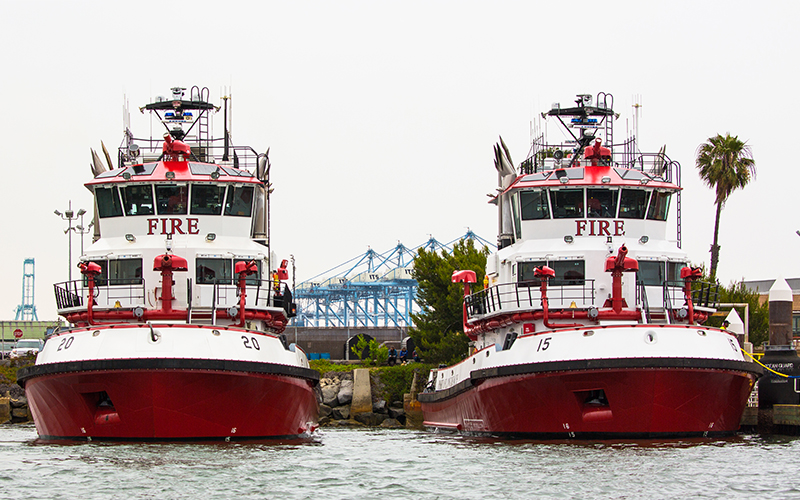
{"points": [[387, 464]]}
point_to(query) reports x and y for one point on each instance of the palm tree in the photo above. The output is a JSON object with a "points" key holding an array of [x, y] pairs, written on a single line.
{"points": [[725, 164]]}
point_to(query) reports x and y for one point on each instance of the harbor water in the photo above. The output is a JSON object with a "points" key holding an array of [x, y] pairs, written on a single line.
{"points": [[370, 463]]}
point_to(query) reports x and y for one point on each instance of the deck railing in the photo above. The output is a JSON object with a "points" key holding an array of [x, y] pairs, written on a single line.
{"points": [[130, 293], [525, 295], [107, 293]]}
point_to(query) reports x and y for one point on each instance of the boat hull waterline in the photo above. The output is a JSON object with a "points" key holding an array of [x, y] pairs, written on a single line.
{"points": [[642, 403], [184, 382], [164, 405]]}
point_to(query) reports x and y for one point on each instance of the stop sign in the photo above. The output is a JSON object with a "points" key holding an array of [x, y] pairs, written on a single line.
{"points": [[17, 333]]}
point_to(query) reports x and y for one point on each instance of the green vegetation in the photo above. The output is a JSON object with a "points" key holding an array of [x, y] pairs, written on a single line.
{"points": [[324, 366], [8, 368], [737, 293], [397, 379], [370, 353], [394, 380], [438, 334], [725, 164]]}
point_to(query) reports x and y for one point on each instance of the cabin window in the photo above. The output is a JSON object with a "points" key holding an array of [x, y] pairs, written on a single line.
{"points": [[116, 272], [210, 271], [172, 199], [633, 203], [659, 206], [239, 201], [526, 270], [651, 273], [567, 272], [108, 204], [206, 199], [137, 199], [533, 205], [601, 203], [567, 203], [125, 271], [674, 270]]}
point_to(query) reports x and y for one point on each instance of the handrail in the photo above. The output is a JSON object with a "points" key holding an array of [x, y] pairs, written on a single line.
{"points": [[72, 294], [526, 295]]}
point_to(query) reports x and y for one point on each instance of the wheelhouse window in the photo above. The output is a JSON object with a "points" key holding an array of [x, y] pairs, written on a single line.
{"points": [[137, 199], [116, 272], [207, 199], [239, 201], [659, 206], [567, 203], [172, 199], [633, 203], [108, 204], [533, 205], [601, 202]]}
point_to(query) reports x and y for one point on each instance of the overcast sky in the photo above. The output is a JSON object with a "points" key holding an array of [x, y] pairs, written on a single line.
{"points": [[381, 116]]}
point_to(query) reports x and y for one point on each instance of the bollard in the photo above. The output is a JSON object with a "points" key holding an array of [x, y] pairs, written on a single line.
{"points": [[780, 355]]}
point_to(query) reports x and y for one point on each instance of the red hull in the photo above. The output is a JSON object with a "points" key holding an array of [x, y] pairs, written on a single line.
{"points": [[641, 403], [171, 404]]}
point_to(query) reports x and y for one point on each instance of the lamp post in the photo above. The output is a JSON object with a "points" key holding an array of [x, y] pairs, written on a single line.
{"points": [[81, 229], [70, 216]]}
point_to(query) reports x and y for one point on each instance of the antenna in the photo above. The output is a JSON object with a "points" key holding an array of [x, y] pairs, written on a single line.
{"points": [[637, 105]]}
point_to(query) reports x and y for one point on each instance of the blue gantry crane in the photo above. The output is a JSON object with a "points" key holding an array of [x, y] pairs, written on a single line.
{"points": [[26, 311], [370, 290]]}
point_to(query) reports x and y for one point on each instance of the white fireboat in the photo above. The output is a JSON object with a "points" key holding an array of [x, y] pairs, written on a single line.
{"points": [[589, 324], [177, 321]]}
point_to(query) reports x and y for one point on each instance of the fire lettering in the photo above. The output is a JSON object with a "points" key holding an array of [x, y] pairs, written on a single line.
{"points": [[172, 226], [600, 228]]}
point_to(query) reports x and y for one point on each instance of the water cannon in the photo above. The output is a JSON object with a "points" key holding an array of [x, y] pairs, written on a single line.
{"points": [[465, 276], [246, 267], [691, 273], [544, 272], [170, 262], [90, 269]]}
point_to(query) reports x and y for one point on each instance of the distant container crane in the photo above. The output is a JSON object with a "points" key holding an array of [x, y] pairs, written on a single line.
{"points": [[26, 311], [370, 290]]}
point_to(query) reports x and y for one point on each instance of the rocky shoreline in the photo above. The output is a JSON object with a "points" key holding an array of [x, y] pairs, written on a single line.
{"points": [[338, 394], [14, 409]]}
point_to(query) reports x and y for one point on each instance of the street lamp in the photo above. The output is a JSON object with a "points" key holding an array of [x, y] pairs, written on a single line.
{"points": [[70, 216], [81, 229]]}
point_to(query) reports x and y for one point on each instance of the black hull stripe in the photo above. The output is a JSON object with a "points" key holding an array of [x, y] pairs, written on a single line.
{"points": [[477, 376], [584, 436], [224, 365]]}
